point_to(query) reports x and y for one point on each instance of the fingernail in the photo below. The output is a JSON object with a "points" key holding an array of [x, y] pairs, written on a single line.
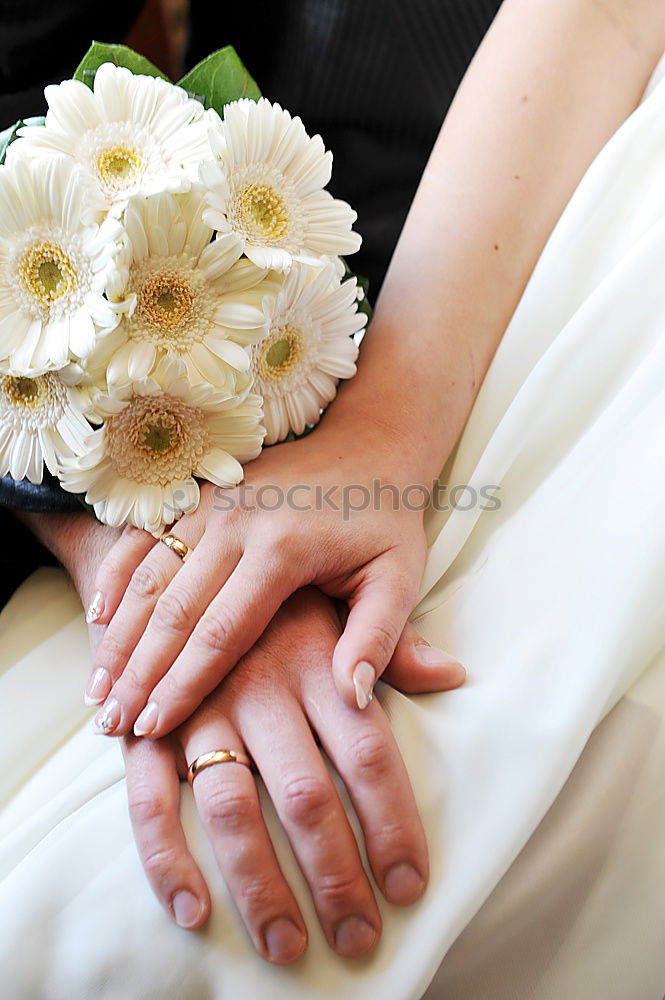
{"points": [[96, 609], [284, 941], [147, 720], [98, 687], [355, 937], [403, 884], [106, 721], [430, 656], [363, 682], [186, 908]]}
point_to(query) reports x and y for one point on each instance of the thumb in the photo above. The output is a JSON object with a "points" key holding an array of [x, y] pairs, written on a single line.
{"points": [[418, 668], [378, 611]]}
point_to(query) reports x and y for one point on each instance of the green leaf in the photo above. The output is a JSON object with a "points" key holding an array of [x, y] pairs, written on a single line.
{"points": [[86, 506], [220, 79], [9, 134], [119, 55]]}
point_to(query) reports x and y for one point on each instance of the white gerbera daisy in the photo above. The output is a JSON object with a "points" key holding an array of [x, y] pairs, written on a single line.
{"points": [[267, 186], [185, 296], [55, 260], [160, 432], [41, 421], [308, 348], [131, 134]]}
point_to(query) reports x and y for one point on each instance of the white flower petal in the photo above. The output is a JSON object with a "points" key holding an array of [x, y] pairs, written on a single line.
{"points": [[139, 467], [152, 125], [140, 361], [218, 257], [220, 468], [271, 192]]}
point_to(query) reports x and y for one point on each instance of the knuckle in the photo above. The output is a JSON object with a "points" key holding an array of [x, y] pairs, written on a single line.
{"points": [[259, 893], [384, 637], [229, 808], [307, 801], [159, 862], [404, 832], [112, 571], [145, 807], [112, 652], [339, 887], [369, 756], [133, 680], [280, 548], [144, 583], [172, 612], [216, 631]]}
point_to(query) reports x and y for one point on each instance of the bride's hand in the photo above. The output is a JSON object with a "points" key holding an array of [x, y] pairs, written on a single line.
{"points": [[179, 629], [276, 701]]}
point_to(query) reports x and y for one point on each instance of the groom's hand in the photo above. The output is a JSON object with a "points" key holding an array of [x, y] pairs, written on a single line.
{"points": [[278, 699]]}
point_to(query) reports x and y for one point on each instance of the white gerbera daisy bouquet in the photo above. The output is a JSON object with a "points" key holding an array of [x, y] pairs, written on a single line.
{"points": [[173, 294]]}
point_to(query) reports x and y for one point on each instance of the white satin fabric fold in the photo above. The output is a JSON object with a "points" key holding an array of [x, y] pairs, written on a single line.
{"points": [[555, 603]]}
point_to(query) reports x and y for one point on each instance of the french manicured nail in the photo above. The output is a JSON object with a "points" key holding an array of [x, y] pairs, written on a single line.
{"points": [[363, 682], [186, 908], [284, 941], [355, 937], [430, 656], [98, 687], [96, 608], [108, 720], [403, 884], [147, 720]]}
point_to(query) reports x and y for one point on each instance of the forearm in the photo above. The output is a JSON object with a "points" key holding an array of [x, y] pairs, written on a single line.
{"points": [[548, 87], [78, 542]]}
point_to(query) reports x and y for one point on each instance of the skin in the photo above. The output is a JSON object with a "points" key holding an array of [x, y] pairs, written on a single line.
{"points": [[285, 684], [548, 87], [278, 702]]}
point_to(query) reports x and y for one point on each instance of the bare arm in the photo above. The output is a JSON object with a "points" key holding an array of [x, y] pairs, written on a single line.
{"points": [[552, 81], [550, 84]]}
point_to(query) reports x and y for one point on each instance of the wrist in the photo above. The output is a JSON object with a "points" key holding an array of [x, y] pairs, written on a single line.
{"points": [[77, 541], [394, 450]]}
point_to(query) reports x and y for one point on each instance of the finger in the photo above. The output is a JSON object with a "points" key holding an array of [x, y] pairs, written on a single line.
{"points": [[418, 668], [115, 572], [144, 587], [367, 758], [153, 789], [153, 627], [228, 803], [378, 613], [317, 826], [233, 622]]}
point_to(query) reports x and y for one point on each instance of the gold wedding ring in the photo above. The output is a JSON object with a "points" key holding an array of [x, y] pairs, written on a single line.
{"points": [[215, 757], [175, 545]]}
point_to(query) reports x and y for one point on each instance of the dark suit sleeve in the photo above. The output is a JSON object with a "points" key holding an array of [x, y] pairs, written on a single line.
{"points": [[43, 41]]}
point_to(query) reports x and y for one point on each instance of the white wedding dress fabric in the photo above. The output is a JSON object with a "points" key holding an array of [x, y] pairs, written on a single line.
{"points": [[541, 782]]}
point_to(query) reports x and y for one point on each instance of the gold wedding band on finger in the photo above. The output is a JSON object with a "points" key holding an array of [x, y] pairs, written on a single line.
{"points": [[175, 545], [216, 757]]}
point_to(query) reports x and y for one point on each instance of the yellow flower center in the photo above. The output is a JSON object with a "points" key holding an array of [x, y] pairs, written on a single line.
{"points": [[119, 166], [282, 352], [23, 390], [160, 436], [156, 439], [47, 272], [31, 403], [263, 211], [165, 300]]}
